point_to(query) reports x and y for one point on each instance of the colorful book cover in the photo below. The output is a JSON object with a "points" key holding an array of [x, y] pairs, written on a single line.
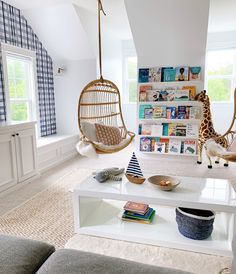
{"points": [[170, 95], [159, 112], [155, 74], [138, 216], [152, 95], [181, 112], [162, 72], [169, 74], [195, 73], [146, 144], [190, 147], [142, 92], [174, 146], [182, 95], [180, 130], [148, 113], [165, 129], [182, 73], [159, 147], [146, 129], [166, 141], [143, 75], [148, 221], [192, 130], [192, 91], [170, 112], [172, 130], [141, 110], [136, 207], [195, 113], [156, 130]]}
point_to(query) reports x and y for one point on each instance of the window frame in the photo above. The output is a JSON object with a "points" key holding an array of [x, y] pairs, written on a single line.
{"points": [[219, 76], [10, 50]]}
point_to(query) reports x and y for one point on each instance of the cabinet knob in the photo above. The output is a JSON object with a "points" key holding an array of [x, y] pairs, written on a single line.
{"points": [[17, 134], [13, 135]]}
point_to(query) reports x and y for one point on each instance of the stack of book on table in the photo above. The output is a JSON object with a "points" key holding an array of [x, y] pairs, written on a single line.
{"points": [[137, 212]]}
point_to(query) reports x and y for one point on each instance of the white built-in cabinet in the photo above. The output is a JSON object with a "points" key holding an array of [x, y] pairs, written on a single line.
{"points": [[18, 159]]}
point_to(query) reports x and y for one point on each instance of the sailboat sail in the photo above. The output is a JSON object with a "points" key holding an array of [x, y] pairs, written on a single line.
{"points": [[134, 167]]}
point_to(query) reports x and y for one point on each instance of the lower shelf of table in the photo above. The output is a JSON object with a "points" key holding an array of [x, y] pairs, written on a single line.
{"points": [[105, 221]]}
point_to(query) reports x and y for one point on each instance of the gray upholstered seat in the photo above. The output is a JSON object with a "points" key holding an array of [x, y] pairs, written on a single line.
{"points": [[22, 256], [68, 261]]}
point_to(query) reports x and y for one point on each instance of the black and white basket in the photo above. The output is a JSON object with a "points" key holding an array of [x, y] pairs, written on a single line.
{"points": [[195, 224]]}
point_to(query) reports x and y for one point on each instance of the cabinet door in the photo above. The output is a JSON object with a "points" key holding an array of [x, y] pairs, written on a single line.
{"points": [[26, 154], [8, 168]]}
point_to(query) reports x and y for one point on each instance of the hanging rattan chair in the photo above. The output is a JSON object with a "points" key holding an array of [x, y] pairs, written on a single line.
{"points": [[100, 102], [230, 136]]}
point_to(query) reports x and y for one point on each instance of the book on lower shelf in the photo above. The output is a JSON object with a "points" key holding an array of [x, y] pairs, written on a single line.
{"points": [[138, 212]]}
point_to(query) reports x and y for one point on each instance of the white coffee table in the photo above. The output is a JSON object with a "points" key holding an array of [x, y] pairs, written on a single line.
{"points": [[98, 208]]}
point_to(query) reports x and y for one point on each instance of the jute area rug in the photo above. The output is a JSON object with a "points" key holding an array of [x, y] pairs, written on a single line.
{"points": [[48, 216]]}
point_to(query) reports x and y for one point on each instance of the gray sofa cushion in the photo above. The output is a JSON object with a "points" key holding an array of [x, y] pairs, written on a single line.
{"points": [[67, 261], [22, 256]]}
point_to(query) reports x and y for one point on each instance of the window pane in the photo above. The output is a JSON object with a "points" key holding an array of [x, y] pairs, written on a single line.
{"points": [[12, 88], [219, 89], [16, 68], [133, 92], [21, 89], [19, 111], [220, 62], [132, 67]]}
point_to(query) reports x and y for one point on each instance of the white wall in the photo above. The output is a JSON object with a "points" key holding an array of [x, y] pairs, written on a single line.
{"points": [[222, 113], [67, 91]]}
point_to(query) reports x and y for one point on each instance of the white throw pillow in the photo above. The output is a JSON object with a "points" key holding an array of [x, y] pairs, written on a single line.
{"points": [[89, 131]]}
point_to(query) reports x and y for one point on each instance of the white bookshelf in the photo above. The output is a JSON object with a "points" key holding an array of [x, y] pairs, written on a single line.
{"points": [[161, 121]]}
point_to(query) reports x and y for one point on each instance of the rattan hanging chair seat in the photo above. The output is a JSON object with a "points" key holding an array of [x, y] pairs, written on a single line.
{"points": [[100, 103]]}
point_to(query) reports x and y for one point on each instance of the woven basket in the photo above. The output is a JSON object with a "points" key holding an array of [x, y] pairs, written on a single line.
{"points": [[195, 224]]}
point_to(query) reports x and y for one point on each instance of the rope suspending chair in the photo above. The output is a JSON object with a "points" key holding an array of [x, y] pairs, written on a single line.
{"points": [[100, 102]]}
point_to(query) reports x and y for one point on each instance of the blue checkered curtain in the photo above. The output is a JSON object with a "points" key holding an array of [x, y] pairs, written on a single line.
{"points": [[15, 30]]}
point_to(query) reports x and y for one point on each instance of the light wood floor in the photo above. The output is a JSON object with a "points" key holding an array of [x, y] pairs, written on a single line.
{"points": [[173, 166]]}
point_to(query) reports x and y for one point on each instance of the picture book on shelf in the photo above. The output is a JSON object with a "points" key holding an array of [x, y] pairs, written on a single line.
{"points": [[174, 146], [190, 147], [159, 147], [156, 130], [171, 130], [159, 112], [182, 73], [192, 91], [168, 74], [141, 110], [170, 94], [170, 112], [152, 95], [180, 130], [182, 95], [165, 129], [146, 129], [195, 112], [166, 141], [142, 92], [146, 144], [182, 112], [155, 74], [192, 130], [195, 73], [148, 113], [143, 75]]}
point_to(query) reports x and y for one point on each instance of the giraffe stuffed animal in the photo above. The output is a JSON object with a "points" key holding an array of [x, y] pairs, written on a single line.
{"points": [[207, 130]]}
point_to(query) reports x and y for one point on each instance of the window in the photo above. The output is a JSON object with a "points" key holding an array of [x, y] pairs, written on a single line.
{"points": [[131, 79], [19, 80], [221, 74]]}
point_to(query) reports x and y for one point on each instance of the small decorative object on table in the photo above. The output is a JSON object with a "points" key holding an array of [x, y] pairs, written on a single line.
{"points": [[133, 172], [109, 174], [165, 183], [195, 224]]}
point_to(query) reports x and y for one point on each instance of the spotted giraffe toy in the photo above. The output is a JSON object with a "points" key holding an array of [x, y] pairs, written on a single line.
{"points": [[207, 131]]}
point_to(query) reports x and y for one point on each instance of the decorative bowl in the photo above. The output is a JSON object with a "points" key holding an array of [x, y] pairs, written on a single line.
{"points": [[158, 179], [135, 179]]}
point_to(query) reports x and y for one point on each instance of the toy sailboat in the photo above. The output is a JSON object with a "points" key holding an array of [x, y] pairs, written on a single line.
{"points": [[133, 172]]}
